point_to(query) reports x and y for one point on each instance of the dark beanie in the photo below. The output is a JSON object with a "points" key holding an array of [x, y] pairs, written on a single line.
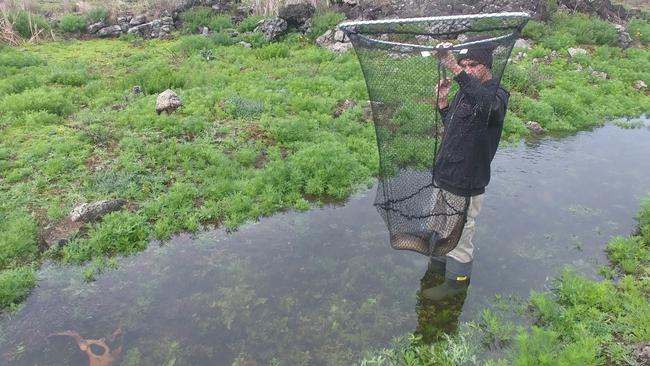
{"points": [[481, 54]]}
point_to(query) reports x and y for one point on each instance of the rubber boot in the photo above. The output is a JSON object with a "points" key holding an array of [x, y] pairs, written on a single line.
{"points": [[456, 281], [448, 289]]}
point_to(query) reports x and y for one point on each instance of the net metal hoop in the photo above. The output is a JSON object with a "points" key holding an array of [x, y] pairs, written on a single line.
{"points": [[400, 76]]}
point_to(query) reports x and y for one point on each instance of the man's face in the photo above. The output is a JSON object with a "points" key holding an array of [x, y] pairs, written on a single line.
{"points": [[476, 69]]}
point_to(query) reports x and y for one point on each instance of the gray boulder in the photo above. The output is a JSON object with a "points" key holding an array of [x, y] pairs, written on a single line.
{"points": [[297, 14], [573, 52], [93, 28], [168, 102], [139, 20], [90, 212], [273, 28], [112, 31], [640, 85]]}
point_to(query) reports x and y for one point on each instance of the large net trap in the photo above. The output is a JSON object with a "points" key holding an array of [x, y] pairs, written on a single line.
{"points": [[400, 63]]}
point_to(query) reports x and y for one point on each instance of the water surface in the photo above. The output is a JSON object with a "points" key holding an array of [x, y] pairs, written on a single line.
{"points": [[317, 288]]}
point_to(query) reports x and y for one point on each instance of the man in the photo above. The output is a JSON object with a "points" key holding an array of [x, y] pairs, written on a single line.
{"points": [[473, 124]]}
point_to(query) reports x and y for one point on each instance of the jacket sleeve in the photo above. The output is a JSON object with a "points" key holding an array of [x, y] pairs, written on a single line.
{"points": [[443, 113], [485, 99]]}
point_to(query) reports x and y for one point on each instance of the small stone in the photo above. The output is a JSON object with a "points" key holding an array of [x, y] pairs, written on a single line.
{"points": [[245, 44], [522, 43], [534, 127], [137, 89], [599, 74], [573, 52], [640, 85]]}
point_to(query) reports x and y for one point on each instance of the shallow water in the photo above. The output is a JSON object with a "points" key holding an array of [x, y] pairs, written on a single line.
{"points": [[319, 287]]}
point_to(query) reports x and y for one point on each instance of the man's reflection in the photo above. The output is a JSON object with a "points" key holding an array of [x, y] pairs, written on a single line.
{"points": [[439, 303]]}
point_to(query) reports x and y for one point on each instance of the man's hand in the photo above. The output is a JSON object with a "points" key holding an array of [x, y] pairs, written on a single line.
{"points": [[447, 58], [443, 87]]}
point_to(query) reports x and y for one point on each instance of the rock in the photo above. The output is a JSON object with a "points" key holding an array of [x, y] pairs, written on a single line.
{"points": [[640, 85], [245, 44], [599, 74], [123, 22], [168, 102], [573, 52], [205, 31], [273, 28], [59, 233], [112, 31], [305, 27], [534, 127], [340, 36], [139, 20], [137, 89], [351, 2], [522, 43], [324, 38], [93, 28], [328, 40], [624, 39], [341, 47], [90, 212], [642, 354], [296, 14], [344, 106]]}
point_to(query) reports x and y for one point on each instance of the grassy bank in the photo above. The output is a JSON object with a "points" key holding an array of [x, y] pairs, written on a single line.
{"points": [[580, 322], [258, 132]]}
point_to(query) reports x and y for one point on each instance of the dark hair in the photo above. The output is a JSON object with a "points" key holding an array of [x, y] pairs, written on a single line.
{"points": [[481, 52]]}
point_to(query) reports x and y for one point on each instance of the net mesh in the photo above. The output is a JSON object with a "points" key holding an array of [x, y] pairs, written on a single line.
{"points": [[401, 72]]}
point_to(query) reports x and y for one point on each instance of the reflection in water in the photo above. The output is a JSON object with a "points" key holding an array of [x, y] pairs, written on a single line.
{"points": [[319, 288], [438, 316]]}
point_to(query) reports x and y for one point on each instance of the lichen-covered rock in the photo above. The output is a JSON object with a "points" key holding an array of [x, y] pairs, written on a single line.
{"points": [[112, 31], [168, 102], [273, 28], [573, 52], [90, 212], [93, 28], [139, 20], [640, 85]]}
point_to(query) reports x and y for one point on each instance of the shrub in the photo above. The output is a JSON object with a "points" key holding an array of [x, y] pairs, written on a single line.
{"points": [[249, 23], [27, 24], [12, 58], [97, 15], [72, 23], [273, 50], [73, 74], [53, 100], [223, 39], [156, 76], [15, 285], [534, 30], [559, 41], [17, 240], [323, 22], [639, 29], [119, 233], [198, 17], [191, 45], [586, 29], [256, 40]]}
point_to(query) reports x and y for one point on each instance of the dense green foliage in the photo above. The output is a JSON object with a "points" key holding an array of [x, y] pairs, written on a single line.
{"points": [[27, 24], [71, 23], [640, 29], [324, 21], [198, 17]]}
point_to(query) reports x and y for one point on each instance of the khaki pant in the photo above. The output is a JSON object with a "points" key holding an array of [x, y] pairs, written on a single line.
{"points": [[464, 251]]}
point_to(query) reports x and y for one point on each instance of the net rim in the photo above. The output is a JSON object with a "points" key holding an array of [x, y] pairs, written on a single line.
{"points": [[417, 47], [348, 26]]}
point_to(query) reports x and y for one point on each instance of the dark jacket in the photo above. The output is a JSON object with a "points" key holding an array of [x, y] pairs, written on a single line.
{"points": [[473, 123]]}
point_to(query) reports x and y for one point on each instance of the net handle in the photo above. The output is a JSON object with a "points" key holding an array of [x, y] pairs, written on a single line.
{"points": [[348, 27]]}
